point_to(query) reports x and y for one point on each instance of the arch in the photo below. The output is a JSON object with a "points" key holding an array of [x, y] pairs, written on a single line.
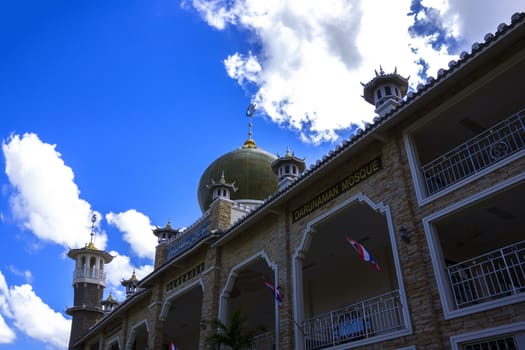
{"points": [[304, 247], [174, 295], [230, 282], [111, 342], [133, 332], [234, 273]]}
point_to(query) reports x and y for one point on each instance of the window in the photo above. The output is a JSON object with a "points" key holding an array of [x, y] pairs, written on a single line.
{"points": [[502, 343], [388, 91]]}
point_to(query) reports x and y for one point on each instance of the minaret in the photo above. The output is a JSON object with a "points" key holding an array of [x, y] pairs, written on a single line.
{"points": [[221, 189], [164, 236], [287, 168], [109, 304], [385, 91], [131, 284], [89, 281]]}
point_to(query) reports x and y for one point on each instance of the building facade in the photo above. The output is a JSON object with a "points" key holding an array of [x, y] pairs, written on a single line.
{"points": [[434, 190]]}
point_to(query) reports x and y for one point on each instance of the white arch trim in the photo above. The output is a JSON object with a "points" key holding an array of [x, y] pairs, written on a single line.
{"points": [[304, 245], [113, 340], [175, 294], [133, 332], [232, 275], [436, 255]]}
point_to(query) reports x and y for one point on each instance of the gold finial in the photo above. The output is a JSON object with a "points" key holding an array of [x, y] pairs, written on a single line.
{"points": [[110, 297], [250, 143], [134, 276]]}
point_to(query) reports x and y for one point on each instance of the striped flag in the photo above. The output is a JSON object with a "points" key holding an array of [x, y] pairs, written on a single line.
{"points": [[172, 346], [275, 291], [363, 253]]}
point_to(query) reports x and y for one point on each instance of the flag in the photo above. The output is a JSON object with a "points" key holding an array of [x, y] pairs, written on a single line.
{"points": [[275, 291], [172, 346], [363, 253]]}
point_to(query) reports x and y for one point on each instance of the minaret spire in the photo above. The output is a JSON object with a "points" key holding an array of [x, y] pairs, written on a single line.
{"points": [[92, 234], [250, 143]]}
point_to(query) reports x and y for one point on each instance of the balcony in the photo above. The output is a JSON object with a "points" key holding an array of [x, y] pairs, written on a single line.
{"points": [[369, 318], [264, 341], [490, 276], [488, 147], [89, 275]]}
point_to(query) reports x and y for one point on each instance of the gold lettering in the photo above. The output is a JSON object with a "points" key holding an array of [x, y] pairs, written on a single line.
{"points": [[342, 186], [375, 165]]}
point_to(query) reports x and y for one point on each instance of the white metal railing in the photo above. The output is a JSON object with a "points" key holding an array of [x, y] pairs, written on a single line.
{"points": [[493, 275], [264, 341], [368, 318], [94, 274], [499, 142]]}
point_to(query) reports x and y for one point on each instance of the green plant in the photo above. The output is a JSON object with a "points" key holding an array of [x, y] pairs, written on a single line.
{"points": [[234, 335]]}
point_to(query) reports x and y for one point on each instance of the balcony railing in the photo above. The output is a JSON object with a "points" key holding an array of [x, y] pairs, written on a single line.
{"points": [[92, 274], [264, 341], [481, 151], [490, 276], [366, 319]]}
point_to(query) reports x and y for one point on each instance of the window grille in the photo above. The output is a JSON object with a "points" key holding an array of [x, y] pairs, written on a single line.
{"points": [[503, 343]]}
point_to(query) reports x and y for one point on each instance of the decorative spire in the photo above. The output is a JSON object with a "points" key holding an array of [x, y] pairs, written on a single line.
{"points": [[221, 188], [288, 153], [91, 244], [134, 276], [250, 143]]}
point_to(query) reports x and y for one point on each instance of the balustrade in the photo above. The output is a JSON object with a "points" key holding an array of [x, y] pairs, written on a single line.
{"points": [[497, 143]]}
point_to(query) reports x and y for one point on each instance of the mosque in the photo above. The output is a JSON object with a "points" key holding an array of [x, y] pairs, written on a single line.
{"points": [[408, 235]]}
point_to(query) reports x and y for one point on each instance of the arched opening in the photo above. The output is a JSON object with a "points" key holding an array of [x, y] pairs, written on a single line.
{"points": [[343, 298], [182, 324], [113, 344], [247, 292], [139, 337]]}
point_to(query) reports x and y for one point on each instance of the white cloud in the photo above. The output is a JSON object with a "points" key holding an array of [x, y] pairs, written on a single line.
{"points": [[37, 319], [121, 268], [314, 54], [26, 273], [7, 335], [477, 18], [46, 199], [4, 294], [31, 316], [137, 231]]}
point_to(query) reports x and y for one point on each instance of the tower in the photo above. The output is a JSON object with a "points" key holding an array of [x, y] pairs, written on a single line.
{"points": [[109, 304], [89, 281], [288, 168], [164, 235], [385, 91], [131, 284], [221, 189]]}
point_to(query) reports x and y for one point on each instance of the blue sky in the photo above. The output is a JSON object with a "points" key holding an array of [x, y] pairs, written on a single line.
{"points": [[117, 107]]}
